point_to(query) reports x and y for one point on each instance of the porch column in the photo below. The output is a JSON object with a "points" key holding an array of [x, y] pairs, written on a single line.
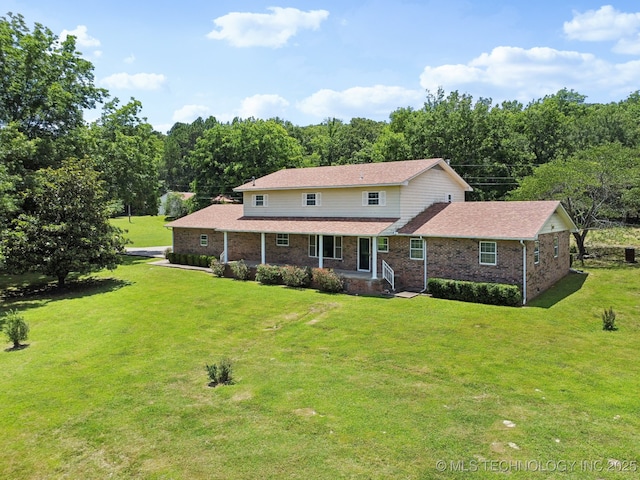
{"points": [[320, 250], [263, 248], [374, 258], [225, 247]]}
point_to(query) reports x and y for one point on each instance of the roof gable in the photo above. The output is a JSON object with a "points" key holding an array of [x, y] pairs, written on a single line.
{"points": [[342, 176], [487, 220]]}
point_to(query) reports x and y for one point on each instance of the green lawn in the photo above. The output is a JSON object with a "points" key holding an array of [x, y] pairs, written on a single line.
{"points": [[147, 231], [113, 383]]}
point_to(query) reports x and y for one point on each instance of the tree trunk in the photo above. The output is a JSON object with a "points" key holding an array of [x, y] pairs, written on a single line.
{"points": [[579, 237], [61, 278], [129, 212]]}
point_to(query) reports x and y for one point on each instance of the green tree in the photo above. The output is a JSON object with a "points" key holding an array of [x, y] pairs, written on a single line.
{"points": [[45, 85], [595, 185], [67, 230], [127, 153], [229, 155]]}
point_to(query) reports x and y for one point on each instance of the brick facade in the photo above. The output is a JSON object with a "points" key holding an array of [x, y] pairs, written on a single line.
{"points": [[456, 259]]}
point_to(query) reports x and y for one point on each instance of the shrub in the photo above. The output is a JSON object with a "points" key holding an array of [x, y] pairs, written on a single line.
{"points": [[269, 274], [240, 270], [220, 374], [217, 267], [609, 320], [167, 252], [15, 328], [326, 280], [295, 276], [204, 261], [477, 292]]}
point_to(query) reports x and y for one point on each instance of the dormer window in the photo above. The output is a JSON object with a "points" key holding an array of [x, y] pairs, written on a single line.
{"points": [[310, 199], [370, 199]]}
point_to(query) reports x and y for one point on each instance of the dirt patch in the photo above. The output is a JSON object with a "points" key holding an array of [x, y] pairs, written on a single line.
{"points": [[305, 412]]}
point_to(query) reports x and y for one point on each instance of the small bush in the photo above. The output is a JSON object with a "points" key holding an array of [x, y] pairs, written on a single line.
{"points": [[240, 270], [204, 261], [326, 280], [217, 267], [269, 274], [476, 292], [15, 328], [167, 252], [172, 257], [296, 277], [221, 374], [609, 320]]}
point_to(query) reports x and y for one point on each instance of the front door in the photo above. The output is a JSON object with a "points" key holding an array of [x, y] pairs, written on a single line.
{"points": [[364, 254]]}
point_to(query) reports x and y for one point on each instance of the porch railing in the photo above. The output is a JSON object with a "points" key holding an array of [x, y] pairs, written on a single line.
{"points": [[388, 274]]}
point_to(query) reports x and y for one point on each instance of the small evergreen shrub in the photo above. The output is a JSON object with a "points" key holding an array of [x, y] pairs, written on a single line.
{"points": [[476, 292], [240, 270], [326, 280], [172, 257], [296, 277], [269, 274], [609, 320], [15, 328], [167, 251], [217, 267], [221, 374], [204, 261]]}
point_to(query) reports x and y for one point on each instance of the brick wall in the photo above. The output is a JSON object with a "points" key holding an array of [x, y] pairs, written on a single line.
{"points": [[550, 269], [187, 240]]}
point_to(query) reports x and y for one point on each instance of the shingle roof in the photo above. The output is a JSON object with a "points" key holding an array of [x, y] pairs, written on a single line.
{"points": [[230, 218], [359, 175], [488, 220]]}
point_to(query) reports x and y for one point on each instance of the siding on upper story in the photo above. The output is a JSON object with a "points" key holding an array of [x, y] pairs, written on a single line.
{"points": [[433, 186], [334, 202], [404, 202]]}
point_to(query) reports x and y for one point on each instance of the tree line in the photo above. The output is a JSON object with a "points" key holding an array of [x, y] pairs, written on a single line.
{"points": [[559, 146]]}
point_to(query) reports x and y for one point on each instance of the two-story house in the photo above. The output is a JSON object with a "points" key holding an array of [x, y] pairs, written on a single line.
{"points": [[400, 221]]}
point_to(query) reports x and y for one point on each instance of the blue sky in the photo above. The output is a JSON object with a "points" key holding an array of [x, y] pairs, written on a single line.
{"points": [[308, 60]]}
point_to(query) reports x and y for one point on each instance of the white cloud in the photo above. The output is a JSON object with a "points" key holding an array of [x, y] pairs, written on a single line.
{"points": [[189, 113], [83, 39], [130, 59], [530, 73], [244, 29], [263, 106], [378, 100], [138, 81], [607, 23]]}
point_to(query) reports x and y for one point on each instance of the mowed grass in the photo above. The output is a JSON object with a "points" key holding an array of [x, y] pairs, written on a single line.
{"points": [[145, 231], [113, 385]]}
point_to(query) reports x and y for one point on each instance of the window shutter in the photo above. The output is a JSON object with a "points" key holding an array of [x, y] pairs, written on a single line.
{"points": [[318, 199], [304, 199], [383, 198], [266, 200], [365, 199]]}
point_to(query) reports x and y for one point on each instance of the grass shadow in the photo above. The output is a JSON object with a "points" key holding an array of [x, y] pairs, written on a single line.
{"points": [[22, 346], [566, 287], [22, 296]]}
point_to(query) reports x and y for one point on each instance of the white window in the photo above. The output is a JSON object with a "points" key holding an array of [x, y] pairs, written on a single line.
{"points": [[383, 244], [260, 200], [331, 246], [556, 246], [311, 199], [448, 197], [416, 249], [282, 239], [374, 199], [488, 253], [204, 240], [536, 252]]}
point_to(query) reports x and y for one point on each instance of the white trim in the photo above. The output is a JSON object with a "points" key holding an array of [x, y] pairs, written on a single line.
{"points": [[282, 239], [265, 200], [412, 249], [386, 249], [204, 240], [536, 252], [317, 199], [494, 253]]}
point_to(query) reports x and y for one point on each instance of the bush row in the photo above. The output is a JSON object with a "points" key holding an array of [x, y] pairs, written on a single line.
{"points": [[325, 280], [477, 292], [189, 259]]}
